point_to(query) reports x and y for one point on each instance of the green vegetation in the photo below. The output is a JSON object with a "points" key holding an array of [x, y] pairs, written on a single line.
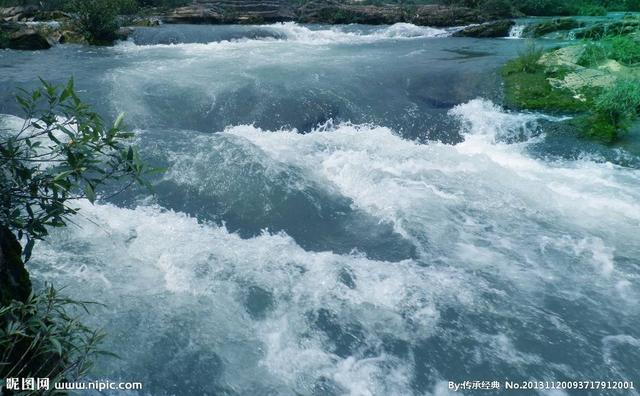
{"points": [[131, 5], [42, 337], [616, 108], [621, 49], [606, 99], [63, 152], [624, 50], [527, 85], [97, 20]]}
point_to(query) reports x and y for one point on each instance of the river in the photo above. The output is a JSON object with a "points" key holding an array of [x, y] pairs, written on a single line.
{"points": [[345, 211]]}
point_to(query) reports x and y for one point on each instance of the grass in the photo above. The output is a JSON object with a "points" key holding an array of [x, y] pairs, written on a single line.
{"points": [[604, 114], [527, 85]]}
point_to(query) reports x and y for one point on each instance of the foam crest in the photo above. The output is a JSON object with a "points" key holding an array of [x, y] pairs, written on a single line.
{"points": [[143, 256], [308, 35]]}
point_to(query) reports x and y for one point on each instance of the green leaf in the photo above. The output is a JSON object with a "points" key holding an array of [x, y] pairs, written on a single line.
{"points": [[56, 345], [89, 193], [119, 120], [28, 249]]}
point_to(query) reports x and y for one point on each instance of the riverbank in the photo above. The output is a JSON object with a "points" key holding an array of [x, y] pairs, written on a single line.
{"points": [[34, 28], [596, 79]]}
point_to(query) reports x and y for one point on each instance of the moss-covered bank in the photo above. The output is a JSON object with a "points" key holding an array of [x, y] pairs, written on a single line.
{"points": [[597, 81]]}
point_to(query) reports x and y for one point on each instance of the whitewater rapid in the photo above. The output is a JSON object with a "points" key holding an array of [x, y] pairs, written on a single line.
{"points": [[345, 211], [501, 237]]}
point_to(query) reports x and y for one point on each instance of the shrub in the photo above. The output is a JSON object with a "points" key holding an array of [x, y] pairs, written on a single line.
{"points": [[592, 10], [97, 20], [501, 8], [43, 337], [546, 7], [63, 152]]}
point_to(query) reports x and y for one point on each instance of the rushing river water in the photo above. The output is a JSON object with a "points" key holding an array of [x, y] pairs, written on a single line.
{"points": [[345, 211]]}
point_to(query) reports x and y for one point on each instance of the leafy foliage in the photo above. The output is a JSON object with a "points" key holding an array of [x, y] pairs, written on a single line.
{"points": [[97, 20], [592, 10], [62, 152], [44, 338]]}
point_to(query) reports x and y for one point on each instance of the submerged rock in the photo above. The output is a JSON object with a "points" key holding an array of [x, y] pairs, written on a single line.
{"points": [[490, 29], [14, 279]]}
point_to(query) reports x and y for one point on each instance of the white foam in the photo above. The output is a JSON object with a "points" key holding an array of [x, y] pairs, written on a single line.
{"points": [[301, 34], [487, 218], [133, 259], [516, 31]]}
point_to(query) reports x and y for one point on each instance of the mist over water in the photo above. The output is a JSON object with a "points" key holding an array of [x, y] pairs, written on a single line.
{"points": [[345, 211]]}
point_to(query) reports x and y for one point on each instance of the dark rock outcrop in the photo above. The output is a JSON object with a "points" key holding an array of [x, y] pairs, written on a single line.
{"points": [[618, 28], [554, 25], [489, 29], [321, 11], [18, 13], [233, 11], [14, 278], [23, 37], [445, 16]]}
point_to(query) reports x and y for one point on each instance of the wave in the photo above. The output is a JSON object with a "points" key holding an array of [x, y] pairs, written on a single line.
{"points": [[285, 32], [500, 234]]}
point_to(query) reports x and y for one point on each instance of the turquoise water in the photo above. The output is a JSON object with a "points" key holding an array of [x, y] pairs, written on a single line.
{"points": [[345, 211]]}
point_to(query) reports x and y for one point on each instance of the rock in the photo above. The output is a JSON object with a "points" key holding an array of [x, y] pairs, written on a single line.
{"points": [[617, 28], [27, 39], [72, 37], [142, 21], [233, 11], [567, 57], [18, 13], [123, 33], [320, 11], [584, 78], [59, 16], [195, 13], [489, 29], [554, 25], [444, 16], [14, 278]]}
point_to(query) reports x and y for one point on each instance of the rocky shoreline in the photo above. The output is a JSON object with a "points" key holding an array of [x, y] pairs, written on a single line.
{"points": [[30, 28]]}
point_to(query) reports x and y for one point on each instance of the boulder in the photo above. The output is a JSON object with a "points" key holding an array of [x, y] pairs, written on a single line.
{"points": [[195, 13], [445, 16], [18, 13], [321, 11], [554, 25], [563, 58], [233, 11], [489, 29], [123, 33], [27, 39], [603, 29], [72, 37], [14, 278]]}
